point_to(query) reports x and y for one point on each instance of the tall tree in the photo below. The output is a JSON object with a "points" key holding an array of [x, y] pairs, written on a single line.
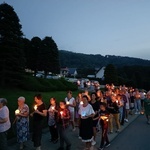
{"points": [[110, 74], [34, 55], [27, 50], [49, 56], [12, 59]]}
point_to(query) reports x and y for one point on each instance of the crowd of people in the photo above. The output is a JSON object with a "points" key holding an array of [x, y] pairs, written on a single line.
{"points": [[106, 110]]}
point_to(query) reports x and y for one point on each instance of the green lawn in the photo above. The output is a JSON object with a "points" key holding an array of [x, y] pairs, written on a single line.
{"points": [[12, 95]]}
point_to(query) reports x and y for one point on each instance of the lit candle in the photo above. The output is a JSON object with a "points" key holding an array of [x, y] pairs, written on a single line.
{"points": [[116, 101], [103, 117], [61, 112], [17, 111], [53, 107], [83, 114], [81, 103], [67, 102], [35, 107]]}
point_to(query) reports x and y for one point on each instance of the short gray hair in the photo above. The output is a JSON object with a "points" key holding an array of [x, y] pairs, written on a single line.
{"points": [[3, 101]]}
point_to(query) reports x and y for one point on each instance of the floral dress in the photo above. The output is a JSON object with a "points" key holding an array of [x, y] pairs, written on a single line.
{"points": [[22, 125]]}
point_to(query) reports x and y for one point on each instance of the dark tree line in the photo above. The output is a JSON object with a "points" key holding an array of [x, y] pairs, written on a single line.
{"points": [[18, 53]]}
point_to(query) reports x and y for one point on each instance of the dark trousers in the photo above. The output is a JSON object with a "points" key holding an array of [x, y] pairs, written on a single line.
{"points": [[3, 141], [53, 132], [64, 138], [104, 137], [123, 116], [37, 134]]}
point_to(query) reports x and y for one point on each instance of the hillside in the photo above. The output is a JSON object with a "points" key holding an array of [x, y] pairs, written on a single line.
{"points": [[79, 60]]}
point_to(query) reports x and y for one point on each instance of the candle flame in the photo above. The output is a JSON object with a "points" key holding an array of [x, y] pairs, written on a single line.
{"points": [[81, 102], [61, 112], [35, 107], [17, 111]]}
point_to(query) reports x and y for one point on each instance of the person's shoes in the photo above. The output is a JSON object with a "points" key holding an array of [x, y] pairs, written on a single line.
{"points": [[118, 131], [111, 132], [100, 148], [126, 120], [93, 142], [137, 113], [107, 144], [60, 148]]}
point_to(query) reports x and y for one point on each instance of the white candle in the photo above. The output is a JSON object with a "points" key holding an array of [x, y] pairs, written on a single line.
{"points": [[116, 101], [17, 111], [67, 102], [35, 107], [81, 103], [61, 112], [103, 117], [53, 107]]}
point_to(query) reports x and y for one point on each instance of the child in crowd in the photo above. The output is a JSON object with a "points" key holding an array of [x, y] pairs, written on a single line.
{"points": [[63, 120], [52, 114], [104, 116]]}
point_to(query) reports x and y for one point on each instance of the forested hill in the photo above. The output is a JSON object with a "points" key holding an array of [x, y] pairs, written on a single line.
{"points": [[79, 60]]}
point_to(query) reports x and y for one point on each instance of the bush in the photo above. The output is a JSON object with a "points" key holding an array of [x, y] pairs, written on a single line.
{"points": [[31, 83], [69, 85], [46, 83], [57, 82]]}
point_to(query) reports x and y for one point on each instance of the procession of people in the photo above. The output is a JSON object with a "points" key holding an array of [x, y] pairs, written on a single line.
{"points": [[89, 113]]}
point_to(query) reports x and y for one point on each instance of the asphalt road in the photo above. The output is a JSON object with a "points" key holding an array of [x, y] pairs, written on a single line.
{"points": [[77, 144], [135, 137]]}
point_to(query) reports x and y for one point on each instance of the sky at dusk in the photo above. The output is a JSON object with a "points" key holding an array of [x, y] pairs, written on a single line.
{"points": [[106, 27]]}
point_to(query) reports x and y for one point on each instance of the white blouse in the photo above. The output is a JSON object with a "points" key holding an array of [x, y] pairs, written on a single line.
{"points": [[86, 111]]}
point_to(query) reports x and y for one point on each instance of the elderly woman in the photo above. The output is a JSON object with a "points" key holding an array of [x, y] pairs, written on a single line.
{"points": [[86, 113], [147, 107], [22, 121], [4, 123]]}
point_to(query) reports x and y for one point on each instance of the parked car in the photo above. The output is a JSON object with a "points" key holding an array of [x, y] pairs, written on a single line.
{"points": [[40, 75]]}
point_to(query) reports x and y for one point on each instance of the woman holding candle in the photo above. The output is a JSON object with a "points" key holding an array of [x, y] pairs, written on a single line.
{"points": [[52, 113], [38, 115], [63, 119], [22, 121], [71, 103], [86, 113]]}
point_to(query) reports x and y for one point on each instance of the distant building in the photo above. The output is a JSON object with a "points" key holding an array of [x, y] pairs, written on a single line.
{"points": [[100, 73], [68, 72]]}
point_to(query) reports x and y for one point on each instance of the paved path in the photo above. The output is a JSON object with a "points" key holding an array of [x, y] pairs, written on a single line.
{"points": [[76, 143], [135, 137]]}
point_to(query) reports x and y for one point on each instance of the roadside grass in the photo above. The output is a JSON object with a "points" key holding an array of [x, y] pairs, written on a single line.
{"points": [[12, 95]]}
